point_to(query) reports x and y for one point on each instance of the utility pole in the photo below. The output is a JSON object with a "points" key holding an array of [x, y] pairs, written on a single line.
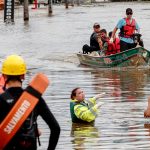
{"points": [[9, 11], [72, 3], [66, 4], [50, 11], [26, 10], [78, 2]]}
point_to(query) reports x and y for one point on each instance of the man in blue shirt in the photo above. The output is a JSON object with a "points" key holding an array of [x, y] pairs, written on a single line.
{"points": [[127, 27]]}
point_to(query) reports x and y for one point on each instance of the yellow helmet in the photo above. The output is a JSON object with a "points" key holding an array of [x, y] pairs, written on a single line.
{"points": [[14, 65]]}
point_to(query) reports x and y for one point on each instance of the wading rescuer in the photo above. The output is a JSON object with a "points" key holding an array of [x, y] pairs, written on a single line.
{"points": [[84, 111], [14, 70]]}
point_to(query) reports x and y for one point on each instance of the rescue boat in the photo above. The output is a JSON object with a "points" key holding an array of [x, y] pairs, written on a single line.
{"points": [[135, 57]]}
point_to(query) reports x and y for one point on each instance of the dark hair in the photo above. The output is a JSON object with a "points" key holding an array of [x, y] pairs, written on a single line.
{"points": [[129, 10], [103, 31], [73, 93], [110, 34], [12, 78]]}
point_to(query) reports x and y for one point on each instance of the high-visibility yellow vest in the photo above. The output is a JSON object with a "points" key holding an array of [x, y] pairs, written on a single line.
{"points": [[84, 111]]}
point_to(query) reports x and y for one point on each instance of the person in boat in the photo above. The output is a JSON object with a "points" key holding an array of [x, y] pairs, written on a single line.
{"points": [[13, 70], [116, 42], [83, 111], [94, 41], [107, 47], [128, 26]]}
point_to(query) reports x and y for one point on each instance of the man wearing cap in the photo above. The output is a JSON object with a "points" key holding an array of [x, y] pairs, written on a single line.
{"points": [[94, 41], [127, 27]]}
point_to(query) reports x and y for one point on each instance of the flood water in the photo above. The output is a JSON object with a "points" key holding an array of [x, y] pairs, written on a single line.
{"points": [[49, 44]]}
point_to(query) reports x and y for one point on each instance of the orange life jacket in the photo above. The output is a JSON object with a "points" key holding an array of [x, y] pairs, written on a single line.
{"points": [[117, 45], [128, 30], [2, 82], [111, 49]]}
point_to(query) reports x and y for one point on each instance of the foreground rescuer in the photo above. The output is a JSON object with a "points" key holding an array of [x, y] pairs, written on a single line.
{"points": [[83, 111], [13, 71]]}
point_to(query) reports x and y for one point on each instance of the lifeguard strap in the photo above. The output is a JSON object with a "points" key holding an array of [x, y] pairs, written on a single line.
{"points": [[33, 92], [22, 109]]}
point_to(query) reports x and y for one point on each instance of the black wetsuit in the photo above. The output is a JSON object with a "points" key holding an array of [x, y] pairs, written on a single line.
{"points": [[94, 45], [93, 42], [40, 109]]}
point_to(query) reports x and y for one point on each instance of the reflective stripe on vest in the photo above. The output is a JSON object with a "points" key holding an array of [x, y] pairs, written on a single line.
{"points": [[73, 116], [82, 104]]}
